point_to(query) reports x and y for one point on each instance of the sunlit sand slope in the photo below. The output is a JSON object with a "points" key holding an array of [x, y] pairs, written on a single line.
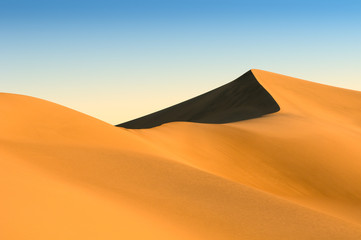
{"points": [[308, 152], [293, 174]]}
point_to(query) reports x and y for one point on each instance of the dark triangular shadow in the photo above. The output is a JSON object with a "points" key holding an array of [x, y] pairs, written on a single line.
{"points": [[241, 99]]}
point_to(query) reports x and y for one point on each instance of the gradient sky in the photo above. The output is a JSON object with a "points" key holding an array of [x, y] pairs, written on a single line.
{"points": [[117, 60]]}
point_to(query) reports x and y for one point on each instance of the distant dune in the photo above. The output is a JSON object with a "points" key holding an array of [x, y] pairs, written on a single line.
{"points": [[241, 99], [290, 170]]}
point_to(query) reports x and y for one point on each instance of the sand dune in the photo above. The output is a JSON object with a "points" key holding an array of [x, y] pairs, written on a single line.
{"points": [[243, 98], [308, 152], [291, 174]]}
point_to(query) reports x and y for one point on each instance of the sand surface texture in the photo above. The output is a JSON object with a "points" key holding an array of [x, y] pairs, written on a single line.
{"points": [[291, 171]]}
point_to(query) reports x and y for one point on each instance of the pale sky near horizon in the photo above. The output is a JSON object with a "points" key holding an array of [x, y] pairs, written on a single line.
{"points": [[118, 60]]}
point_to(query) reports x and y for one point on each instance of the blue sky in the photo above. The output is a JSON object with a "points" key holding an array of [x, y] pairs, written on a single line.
{"points": [[117, 60]]}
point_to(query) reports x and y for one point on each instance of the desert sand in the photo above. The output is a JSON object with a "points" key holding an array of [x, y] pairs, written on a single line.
{"points": [[285, 164]]}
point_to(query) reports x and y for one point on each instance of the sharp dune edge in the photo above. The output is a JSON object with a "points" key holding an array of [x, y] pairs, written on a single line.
{"points": [[291, 174], [241, 99]]}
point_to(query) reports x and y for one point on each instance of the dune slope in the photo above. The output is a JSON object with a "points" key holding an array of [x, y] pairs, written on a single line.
{"points": [[308, 152], [243, 98]]}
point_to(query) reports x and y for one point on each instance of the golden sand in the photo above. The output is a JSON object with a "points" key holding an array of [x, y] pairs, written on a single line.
{"points": [[294, 174]]}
